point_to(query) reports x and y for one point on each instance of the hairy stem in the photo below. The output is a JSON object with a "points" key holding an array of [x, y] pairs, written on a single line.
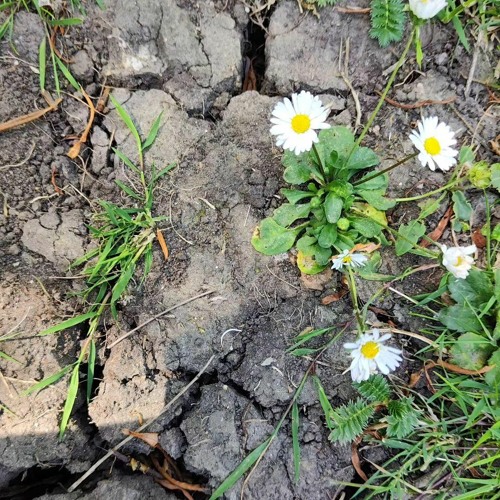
{"points": [[385, 170]]}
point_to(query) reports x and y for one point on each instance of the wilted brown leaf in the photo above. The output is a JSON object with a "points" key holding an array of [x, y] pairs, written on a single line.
{"points": [[317, 281], [150, 438]]}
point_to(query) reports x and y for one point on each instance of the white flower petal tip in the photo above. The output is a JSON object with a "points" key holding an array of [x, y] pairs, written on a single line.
{"points": [[434, 141], [425, 9], [458, 260], [347, 258], [370, 355], [295, 122]]}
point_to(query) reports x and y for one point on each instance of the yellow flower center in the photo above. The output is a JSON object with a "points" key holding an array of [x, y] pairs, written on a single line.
{"points": [[370, 349], [347, 259], [460, 261], [432, 146], [301, 123]]}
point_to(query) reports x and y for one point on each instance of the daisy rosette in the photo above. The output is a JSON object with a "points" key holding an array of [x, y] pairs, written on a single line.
{"points": [[458, 260], [370, 355], [434, 141], [426, 9], [350, 259], [295, 122]]}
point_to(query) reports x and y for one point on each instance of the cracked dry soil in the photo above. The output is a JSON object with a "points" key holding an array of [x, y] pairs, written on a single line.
{"points": [[185, 58]]}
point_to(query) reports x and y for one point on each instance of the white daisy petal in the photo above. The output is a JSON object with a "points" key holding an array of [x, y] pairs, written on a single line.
{"points": [[295, 121], [370, 355], [434, 141], [425, 9], [458, 260]]}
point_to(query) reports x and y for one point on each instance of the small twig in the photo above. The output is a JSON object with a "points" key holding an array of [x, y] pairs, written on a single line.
{"points": [[420, 104], [30, 117], [142, 325], [353, 10], [75, 149], [21, 163], [163, 243], [111, 452], [344, 73]]}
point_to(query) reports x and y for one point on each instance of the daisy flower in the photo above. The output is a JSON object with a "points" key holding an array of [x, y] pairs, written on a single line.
{"points": [[425, 9], [349, 259], [434, 140], [458, 260], [369, 355], [295, 121]]}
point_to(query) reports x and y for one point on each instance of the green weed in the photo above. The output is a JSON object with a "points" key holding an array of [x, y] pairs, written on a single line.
{"points": [[124, 238]]}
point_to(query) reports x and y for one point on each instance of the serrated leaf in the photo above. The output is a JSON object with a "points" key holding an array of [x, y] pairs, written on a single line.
{"points": [[402, 419], [270, 238], [350, 420], [474, 290], [461, 207], [333, 207], [470, 351], [375, 389], [339, 139], [388, 21], [495, 176], [287, 213], [492, 378], [408, 236], [460, 319]]}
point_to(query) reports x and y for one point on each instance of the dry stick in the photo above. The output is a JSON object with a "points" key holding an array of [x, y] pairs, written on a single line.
{"points": [[142, 325], [111, 452], [30, 117]]}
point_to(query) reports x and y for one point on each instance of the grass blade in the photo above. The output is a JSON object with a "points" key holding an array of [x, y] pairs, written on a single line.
{"points": [[325, 402], [128, 121], [301, 339], [51, 379], [125, 160], [163, 171], [122, 282], [295, 441], [42, 62], [152, 133], [91, 368], [8, 358], [68, 323], [70, 21], [127, 190], [70, 399], [247, 462], [67, 74]]}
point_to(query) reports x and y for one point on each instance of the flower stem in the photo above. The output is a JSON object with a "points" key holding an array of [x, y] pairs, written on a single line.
{"points": [[430, 193], [354, 298], [385, 170], [386, 90]]}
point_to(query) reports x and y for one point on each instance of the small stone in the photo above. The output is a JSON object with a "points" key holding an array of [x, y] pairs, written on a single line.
{"points": [[82, 66]]}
